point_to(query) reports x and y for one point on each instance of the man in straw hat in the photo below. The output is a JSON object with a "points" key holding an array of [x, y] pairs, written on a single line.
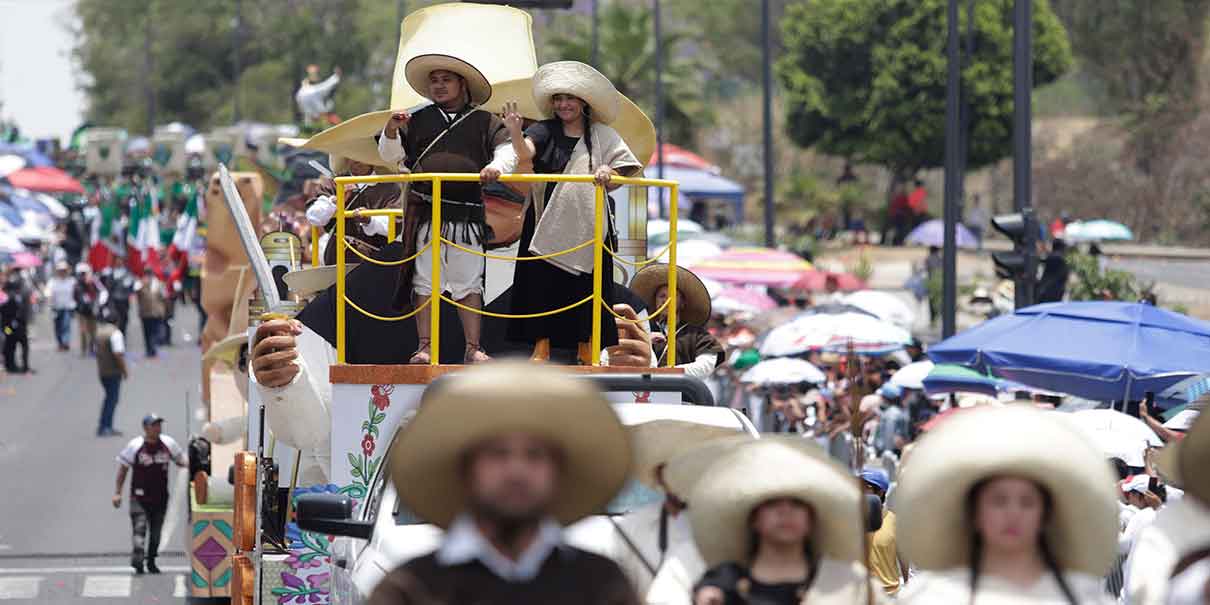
{"points": [[366, 234], [504, 464], [656, 539], [1180, 535], [698, 352], [451, 135]]}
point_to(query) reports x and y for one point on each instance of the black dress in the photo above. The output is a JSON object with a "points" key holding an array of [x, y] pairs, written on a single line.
{"points": [[540, 286], [739, 588]]}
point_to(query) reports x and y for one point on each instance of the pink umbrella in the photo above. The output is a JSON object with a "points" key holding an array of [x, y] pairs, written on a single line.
{"points": [[46, 179], [817, 281], [26, 260], [754, 266], [679, 156], [742, 300]]}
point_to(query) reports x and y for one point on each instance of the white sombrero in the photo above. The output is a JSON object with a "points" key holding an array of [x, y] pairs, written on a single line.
{"points": [[659, 441], [419, 67], [689, 287], [765, 469], [305, 282], [1017, 441], [1184, 462], [580, 80], [511, 397]]}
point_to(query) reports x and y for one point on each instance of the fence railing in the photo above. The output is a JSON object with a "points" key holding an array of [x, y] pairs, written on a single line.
{"points": [[597, 243]]}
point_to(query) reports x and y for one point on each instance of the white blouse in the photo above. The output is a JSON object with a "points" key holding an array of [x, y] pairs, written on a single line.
{"points": [[954, 586]]}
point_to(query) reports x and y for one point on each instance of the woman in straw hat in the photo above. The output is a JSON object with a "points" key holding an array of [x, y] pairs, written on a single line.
{"points": [[1007, 505], [577, 139], [698, 352], [779, 523]]}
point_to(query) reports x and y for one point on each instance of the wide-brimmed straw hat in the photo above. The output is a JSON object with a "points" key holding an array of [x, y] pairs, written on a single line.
{"points": [[419, 67], [760, 470], [689, 288], [1018, 441], [683, 470], [581, 81], [659, 441], [502, 398], [226, 350], [305, 282]]}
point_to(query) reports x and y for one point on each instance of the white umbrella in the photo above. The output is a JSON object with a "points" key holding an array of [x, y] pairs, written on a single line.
{"points": [[10, 163], [56, 209], [885, 305], [783, 370], [1118, 435], [912, 375], [1183, 420], [838, 332], [687, 252]]}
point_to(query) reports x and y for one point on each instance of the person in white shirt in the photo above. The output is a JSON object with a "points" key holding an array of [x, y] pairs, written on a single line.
{"points": [[62, 303], [314, 96]]}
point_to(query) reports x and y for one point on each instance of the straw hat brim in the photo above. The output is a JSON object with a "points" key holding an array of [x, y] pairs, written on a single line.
{"points": [[227, 349], [1193, 458], [688, 288], [1017, 441], [775, 467], [659, 441], [305, 282], [503, 398], [579, 80], [354, 139], [682, 471], [419, 67]]}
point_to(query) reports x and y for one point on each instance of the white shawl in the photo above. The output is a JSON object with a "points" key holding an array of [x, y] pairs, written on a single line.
{"points": [[567, 220]]}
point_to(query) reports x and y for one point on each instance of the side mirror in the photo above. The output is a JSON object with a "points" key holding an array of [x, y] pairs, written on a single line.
{"points": [[331, 514], [873, 513]]}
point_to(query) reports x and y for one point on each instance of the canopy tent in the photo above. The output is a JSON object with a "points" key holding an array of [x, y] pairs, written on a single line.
{"points": [[698, 184], [1103, 351], [679, 156]]}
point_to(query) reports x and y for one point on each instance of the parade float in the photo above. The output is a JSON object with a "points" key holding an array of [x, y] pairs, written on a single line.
{"points": [[273, 560]]}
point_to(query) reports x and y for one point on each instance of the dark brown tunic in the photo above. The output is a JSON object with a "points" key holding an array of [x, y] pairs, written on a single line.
{"points": [[569, 576], [691, 341], [378, 196]]}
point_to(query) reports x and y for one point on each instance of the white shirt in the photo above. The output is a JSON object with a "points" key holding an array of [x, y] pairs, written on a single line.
{"points": [[464, 543], [1179, 528], [117, 342], [126, 456], [315, 99], [62, 293]]}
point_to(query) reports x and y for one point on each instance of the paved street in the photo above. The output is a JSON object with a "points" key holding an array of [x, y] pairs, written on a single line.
{"points": [[60, 540]]}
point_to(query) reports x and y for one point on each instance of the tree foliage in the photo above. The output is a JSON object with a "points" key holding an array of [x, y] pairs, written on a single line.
{"points": [[867, 78]]}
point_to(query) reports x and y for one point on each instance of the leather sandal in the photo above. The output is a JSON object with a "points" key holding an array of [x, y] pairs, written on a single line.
{"points": [[422, 356], [475, 354]]}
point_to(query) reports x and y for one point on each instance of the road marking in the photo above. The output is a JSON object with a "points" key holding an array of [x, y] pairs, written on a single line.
{"points": [[114, 569], [178, 590], [19, 588], [106, 587], [175, 510]]}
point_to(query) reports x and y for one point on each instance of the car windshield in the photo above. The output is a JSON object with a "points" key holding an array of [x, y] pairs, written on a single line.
{"points": [[633, 496]]}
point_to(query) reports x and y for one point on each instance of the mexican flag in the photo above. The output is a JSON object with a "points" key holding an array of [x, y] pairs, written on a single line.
{"points": [[184, 240], [143, 237], [108, 235]]}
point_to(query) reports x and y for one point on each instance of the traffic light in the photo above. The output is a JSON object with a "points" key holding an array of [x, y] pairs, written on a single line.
{"points": [[530, 3], [1020, 265]]}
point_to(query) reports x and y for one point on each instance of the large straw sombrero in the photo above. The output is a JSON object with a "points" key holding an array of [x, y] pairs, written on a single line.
{"points": [[1184, 462], [352, 139], [659, 441], [305, 282], [683, 470], [688, 288], [1018, 441], [511, 397], [419, 67], [579, 80], [722, 502]]}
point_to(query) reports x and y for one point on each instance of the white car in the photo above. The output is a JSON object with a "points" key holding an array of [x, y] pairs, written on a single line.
{"points": [[395, 536]]}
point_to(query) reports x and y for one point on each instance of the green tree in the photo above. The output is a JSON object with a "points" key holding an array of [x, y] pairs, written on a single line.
{"points": [[866, 79], [730, 39], [627, 57]]}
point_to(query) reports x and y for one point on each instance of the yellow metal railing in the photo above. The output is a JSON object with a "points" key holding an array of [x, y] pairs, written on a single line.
{"points": [[597, 243]]}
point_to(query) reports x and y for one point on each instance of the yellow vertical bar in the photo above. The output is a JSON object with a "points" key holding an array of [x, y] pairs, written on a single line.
{"points": [[597, 268], [340, 273], [671, 336], [435, 296], [315, 259], [390, 228]]}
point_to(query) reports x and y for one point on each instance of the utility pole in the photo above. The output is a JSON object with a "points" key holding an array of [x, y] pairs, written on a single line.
{"points": [[237, 42], [766, 52], [953, 170], [659, 103], [596, 36], [148, 70], [1022, 146], [401, 9]]}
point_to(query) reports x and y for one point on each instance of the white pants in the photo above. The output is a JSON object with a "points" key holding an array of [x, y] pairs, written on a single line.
{"points": [[461, 272]]}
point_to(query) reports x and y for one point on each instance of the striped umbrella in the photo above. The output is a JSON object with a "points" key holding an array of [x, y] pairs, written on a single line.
{"points": [[742, 300], [755, 266]]}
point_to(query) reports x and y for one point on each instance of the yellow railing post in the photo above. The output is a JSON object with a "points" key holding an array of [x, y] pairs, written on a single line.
{"points": [[315, 259], [340, 273], [670, 343], [390, 229], [435, 294], [597, 260]]}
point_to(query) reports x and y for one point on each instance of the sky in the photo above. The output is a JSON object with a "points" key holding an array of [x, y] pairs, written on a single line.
{"points": [[37, 82]]}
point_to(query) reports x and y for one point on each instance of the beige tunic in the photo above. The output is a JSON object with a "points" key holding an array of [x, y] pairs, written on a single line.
{"points": [[954, 586]]}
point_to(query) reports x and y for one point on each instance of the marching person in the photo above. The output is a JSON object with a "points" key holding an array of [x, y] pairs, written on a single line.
{"points": [[15, 315], [153, 306], [367, 234], [147, 459], [90, 295], [506, 464], [697, 351], [451, 135], [111, 368], [655, 543], [577, 139], [62, 303], [780, 524], [991, 515]]}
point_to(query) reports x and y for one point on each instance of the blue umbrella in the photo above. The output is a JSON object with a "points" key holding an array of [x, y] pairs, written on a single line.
{"points": [[1103, 351], [33, 158], [1099, 230], [932, 233]]}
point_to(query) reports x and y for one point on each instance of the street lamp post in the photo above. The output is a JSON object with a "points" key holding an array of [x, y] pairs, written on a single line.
{"points": [[1022, 140], [767, 60], [659, 101], [596, 36], [953, 171]]}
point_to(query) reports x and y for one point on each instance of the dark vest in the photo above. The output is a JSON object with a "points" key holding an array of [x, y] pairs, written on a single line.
{"points": [[107, 360]]}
